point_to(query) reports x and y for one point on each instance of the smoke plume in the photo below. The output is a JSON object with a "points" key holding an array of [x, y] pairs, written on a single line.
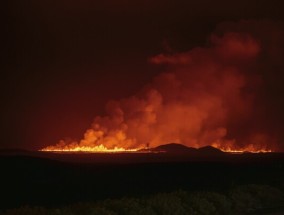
{"points": [[221, 94]]}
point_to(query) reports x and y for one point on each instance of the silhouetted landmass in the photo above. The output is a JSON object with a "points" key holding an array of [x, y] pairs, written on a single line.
{"points": [[174, 148], [210, 150], [180, 148]]}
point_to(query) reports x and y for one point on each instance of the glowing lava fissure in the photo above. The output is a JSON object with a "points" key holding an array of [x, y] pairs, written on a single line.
{"points": [[241, 151], [231, 148], [95, 149], [102, 149]]}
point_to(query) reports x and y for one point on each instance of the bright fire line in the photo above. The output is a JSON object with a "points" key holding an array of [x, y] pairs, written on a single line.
{"points": [[244, 151], [95, 149]]}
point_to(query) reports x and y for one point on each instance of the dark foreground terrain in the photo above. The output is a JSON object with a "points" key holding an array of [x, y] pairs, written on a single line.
{"points": [[54, 180]]}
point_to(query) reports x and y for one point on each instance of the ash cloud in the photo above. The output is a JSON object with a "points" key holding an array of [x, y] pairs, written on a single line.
{"points": [[223, 94]]}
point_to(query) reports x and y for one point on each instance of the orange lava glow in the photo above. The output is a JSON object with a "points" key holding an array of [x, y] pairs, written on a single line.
{"points": [[241, 151], [103, 149], [233, 150], [95, 149]]}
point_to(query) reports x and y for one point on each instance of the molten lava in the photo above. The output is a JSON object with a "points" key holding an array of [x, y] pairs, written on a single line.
{"points": [[103, 149], [94, 149], [249, 148]]}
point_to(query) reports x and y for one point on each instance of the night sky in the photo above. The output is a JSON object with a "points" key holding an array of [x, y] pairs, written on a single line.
{"points": [[63, 60]]}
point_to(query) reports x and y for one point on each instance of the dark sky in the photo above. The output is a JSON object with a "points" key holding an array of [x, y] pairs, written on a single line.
{"points": [[63, 60]]}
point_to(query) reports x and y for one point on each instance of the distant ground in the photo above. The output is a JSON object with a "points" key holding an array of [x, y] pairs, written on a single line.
{"points": [[59, 179], [243, 199]]}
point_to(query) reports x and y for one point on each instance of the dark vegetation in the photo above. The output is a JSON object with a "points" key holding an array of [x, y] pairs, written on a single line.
{"points": [[240, 200], [140, 183]]}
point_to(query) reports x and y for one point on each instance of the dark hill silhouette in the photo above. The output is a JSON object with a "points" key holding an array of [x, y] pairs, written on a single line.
{"points": [[174, 148], [210, 150], [180, 148]]}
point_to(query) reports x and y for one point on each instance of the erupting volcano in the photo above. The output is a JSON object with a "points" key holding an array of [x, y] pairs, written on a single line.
{"points": [[209, 95]]}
